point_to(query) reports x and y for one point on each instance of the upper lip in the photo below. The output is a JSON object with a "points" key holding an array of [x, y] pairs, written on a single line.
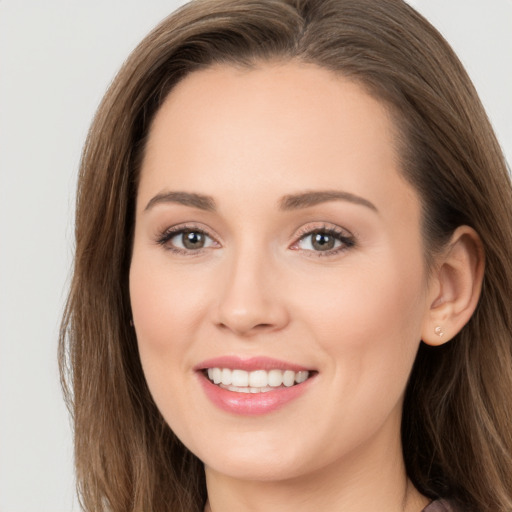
{"points": [[249, 364]]}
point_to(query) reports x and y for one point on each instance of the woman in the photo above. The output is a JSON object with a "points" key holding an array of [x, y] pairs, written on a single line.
{"points": [[292, 276]]}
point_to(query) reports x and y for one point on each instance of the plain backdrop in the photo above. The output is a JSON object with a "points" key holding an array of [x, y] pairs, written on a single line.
{"points": [[56, 59]]}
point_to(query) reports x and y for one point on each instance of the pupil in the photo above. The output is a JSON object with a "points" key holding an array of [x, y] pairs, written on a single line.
{"points": [[323, 242], [193, 240]]}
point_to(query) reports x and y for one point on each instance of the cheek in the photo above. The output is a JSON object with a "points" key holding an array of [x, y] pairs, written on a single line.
{"points": [[381, 296], [166, 307], [367, 325], [368, 319]]}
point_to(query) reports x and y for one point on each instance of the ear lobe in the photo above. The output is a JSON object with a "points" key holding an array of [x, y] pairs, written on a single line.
{"points": [[457, 286]]}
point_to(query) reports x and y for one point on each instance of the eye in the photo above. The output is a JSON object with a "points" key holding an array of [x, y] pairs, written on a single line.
{"points": [[185, 240], [191, 240], [319, 242], [325, 241]]}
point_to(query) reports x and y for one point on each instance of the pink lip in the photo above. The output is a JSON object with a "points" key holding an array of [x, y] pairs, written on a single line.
{"points": [[250, 404], [250, 364]]}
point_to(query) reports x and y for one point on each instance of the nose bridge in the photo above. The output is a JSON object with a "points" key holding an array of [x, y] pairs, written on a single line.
{"points": [[249, 300]]}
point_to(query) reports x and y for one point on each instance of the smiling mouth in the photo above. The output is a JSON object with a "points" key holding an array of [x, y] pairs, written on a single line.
{"points": [[257, 381]]}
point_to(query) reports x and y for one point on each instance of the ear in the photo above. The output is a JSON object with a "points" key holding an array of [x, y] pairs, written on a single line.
{"points": [[455, 287]]}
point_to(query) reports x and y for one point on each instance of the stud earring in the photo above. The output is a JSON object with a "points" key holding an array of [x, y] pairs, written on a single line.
{"points": [[131, 322], [439, 331]]}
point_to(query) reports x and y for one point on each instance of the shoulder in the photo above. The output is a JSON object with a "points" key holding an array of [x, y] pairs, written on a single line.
{"points": [[440, 506]]}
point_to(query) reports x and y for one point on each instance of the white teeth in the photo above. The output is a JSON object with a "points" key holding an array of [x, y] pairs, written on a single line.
{"points": [[301, 376], [217, 375], [257, 381], [239, 378], [288, 378], [275, 378], [246, 389], [226, 376]]}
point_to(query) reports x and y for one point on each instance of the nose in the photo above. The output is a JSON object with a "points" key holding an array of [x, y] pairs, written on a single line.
{"points": [[252, 299]]}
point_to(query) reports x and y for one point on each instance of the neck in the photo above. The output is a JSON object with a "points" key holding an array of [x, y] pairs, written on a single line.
{"points": [[362, 481]]}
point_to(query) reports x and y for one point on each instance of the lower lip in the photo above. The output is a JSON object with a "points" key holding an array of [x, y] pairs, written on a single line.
{"points": [[251, 404]]}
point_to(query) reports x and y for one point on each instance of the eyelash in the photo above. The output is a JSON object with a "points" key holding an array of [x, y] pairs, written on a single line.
{"points": [[346, 240], [170, 233]]}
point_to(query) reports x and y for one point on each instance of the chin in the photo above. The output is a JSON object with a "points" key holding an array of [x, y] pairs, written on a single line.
{"points": [[256, 469], [257, 461]]}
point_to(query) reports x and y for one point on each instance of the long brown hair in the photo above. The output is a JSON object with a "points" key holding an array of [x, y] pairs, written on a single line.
{"points": [[457, 419]]}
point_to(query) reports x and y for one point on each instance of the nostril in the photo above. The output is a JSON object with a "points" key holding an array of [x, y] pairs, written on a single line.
{"points": [[246, 329], [263, 326]]}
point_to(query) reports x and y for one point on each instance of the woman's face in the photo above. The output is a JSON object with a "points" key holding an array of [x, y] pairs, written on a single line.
{"points": [[275, 240]]}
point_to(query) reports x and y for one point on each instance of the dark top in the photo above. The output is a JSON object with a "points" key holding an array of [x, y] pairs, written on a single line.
{"points": [[439, 506]]}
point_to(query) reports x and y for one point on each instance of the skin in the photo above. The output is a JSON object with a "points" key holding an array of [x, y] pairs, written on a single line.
{"points": [[248, 138]]}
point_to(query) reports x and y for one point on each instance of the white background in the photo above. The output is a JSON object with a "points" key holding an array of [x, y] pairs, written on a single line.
{"points": [[56, 59]]}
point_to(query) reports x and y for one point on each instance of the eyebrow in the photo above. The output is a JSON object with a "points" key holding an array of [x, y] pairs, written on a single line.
{"points": [[199, 201], [308, 199], [287, 203]]}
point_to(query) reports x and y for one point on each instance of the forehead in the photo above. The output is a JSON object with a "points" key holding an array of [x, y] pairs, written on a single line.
{"points": [[277, 128], [290, 99]]}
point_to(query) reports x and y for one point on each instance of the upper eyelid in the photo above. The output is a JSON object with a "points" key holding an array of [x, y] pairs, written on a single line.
{"points": [[347, 238], [165, 236], [309, 229], [179, 228], [303, 231]]}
